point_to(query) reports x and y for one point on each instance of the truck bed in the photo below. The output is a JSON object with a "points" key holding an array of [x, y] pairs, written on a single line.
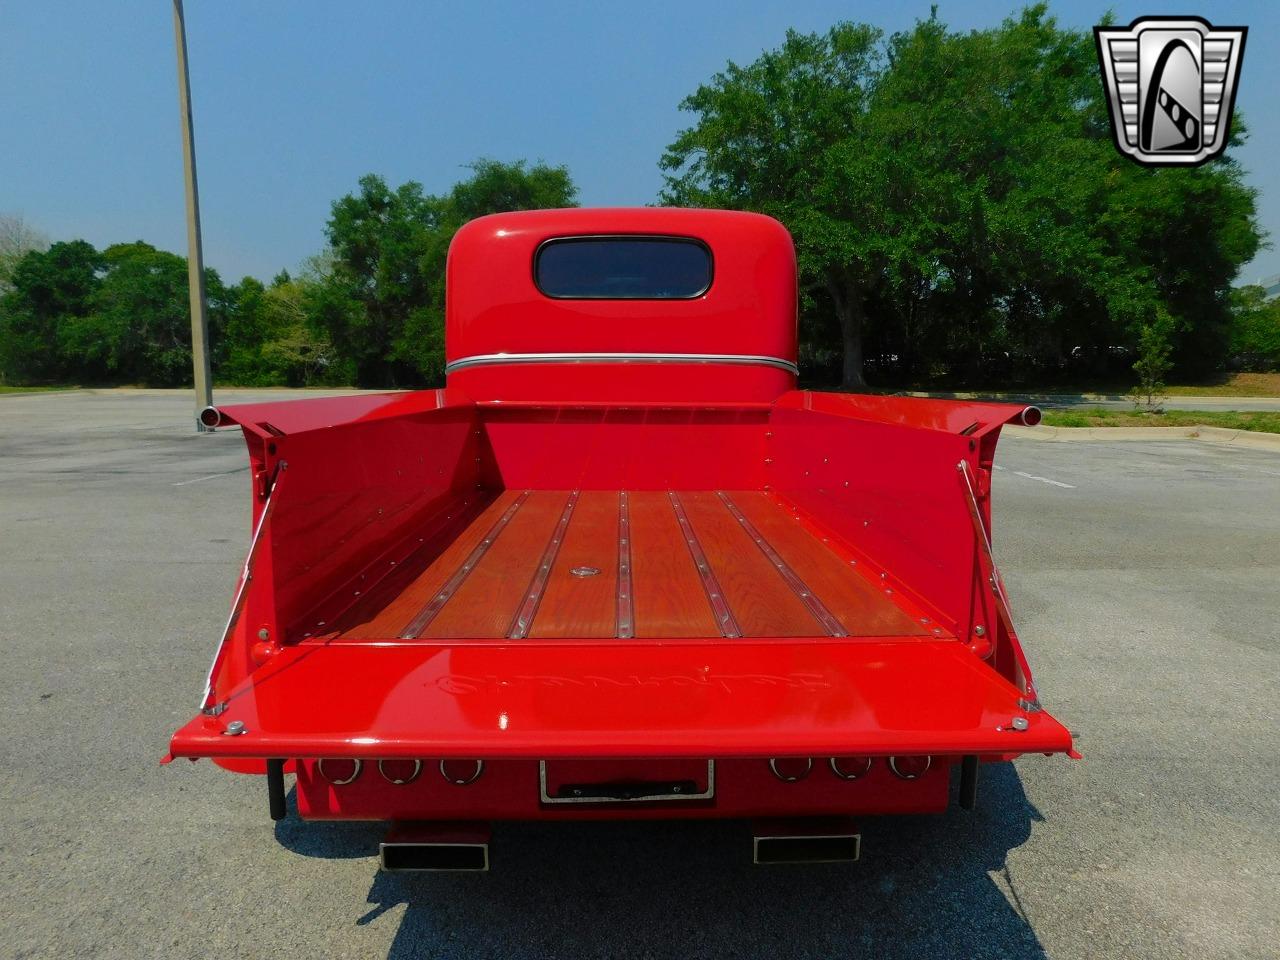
{"points": [[619, 564]]}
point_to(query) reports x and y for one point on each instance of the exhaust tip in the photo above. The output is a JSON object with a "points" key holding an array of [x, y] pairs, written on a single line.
{"points": [[448, 847], [1031, 416], [210, 417], [418, 857], [820, 840]]}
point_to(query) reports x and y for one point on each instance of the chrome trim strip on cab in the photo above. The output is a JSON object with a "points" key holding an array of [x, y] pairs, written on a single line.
{"points": [[489, 359]]}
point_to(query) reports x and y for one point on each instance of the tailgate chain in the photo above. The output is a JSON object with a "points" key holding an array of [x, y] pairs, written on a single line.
{"points": [[1025, 684], [242, 592]]}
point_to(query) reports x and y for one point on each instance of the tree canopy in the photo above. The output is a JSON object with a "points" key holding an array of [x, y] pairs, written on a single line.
{"points": [[382, 301], [368, 311], [961, 216], [1255, 330], [957, 202]]}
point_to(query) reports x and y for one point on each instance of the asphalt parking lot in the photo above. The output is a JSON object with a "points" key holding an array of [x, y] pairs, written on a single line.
{"points": [[1146, 582]]}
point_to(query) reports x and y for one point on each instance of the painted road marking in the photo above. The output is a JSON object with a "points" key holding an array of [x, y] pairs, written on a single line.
{"points": [[1055, 483], [212, 476], [17, 463], [1032, 476]]}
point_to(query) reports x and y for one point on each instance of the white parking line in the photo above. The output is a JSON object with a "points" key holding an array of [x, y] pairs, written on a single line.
{"points": [[212, 476], [1055, 483], [1032, 476]]}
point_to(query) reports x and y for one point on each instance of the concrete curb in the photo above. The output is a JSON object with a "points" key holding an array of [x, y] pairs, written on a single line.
{"points": [[1252, 439]]}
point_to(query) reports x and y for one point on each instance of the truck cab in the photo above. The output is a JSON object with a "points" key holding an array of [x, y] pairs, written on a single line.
{"points": [[619, 565]]}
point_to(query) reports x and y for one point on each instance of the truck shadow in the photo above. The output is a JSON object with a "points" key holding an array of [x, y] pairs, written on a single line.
{"points": [[924, 888]]}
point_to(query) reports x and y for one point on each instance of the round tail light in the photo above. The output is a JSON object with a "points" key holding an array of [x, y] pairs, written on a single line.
{"points": [[461, 772], [400, 772], [791, 769], [339, 772], [910, 768], [850, 768]]}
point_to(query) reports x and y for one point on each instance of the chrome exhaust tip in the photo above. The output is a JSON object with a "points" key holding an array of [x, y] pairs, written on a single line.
{"points": [[210, 418], [437, 857], [1031, 416], [435, 847], [819, 840]]}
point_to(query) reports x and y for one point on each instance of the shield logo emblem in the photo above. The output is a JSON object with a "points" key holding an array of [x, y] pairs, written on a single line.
{"points": [[1171, 86]]}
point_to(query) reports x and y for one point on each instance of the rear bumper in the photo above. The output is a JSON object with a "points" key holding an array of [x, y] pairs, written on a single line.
{"points": [[510, 790]]}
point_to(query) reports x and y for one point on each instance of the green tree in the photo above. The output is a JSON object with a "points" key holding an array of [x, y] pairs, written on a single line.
{"points": [[377, 236], [271, 342], [239, 349], [298, 355], [498, 187], [955, 197], [49, 290], [1153, 361], [784, 136], [138, 326], [74, 314], [1255, 329], [380, 301]]}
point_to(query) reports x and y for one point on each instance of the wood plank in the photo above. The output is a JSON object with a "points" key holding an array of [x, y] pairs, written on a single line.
{"points": [[486, 602], [575, 606], [387, 612], [762, 602], [729, 626], [669, 599], [856, 603]]}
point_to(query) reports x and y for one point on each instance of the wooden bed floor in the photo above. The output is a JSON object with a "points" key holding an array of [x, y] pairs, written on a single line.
{"points": [[594, 563]]}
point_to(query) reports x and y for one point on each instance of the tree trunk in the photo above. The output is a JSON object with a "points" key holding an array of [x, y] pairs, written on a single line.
{"points": [[847, 300]]}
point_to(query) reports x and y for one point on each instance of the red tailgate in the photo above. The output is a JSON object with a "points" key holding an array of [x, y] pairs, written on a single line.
{"points": [[671, 699]]}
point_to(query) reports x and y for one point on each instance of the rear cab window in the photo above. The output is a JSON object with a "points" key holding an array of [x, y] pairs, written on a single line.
{"points": [[623, 268]]}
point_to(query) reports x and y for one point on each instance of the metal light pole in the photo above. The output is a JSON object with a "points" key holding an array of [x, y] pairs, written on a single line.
{"points": [[195, 251]]}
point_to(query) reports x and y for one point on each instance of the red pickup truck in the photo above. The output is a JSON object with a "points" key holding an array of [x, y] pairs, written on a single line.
{"points": [[619, 566]]}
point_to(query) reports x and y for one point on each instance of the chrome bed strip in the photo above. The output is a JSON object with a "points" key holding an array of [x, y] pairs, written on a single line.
{"points": [[715, 595], [432, 609], [801, 589], [538, 585], [626, 610]]}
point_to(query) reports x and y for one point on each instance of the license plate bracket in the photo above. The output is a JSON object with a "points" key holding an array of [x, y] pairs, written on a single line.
{"points": [[612, 782]]}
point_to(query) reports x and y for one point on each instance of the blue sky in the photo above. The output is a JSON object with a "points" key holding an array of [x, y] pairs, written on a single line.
{"points": [[295, 101]]}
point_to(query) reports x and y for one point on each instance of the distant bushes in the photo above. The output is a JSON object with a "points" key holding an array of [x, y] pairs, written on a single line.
{"points": [[370, 311], [74, 314], [1255, 330]]}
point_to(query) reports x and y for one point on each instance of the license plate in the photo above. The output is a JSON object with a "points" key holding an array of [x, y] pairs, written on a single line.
{"points": [[626, 781]]}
